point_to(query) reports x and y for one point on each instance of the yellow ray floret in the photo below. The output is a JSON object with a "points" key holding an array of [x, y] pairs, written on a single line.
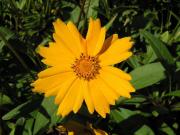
{"points": [[80, 69]]}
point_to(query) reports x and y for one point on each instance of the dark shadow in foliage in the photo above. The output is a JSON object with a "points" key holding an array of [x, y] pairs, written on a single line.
{"points": [[44, 112], [66, 13], [41, 131], [30, 107], [130, 125], [25, 110], [19, 130]]}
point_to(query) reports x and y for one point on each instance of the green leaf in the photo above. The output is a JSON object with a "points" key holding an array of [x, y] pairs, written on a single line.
{"points": [[133, 61], [28, 126], [166, 129], [159, 48], [46, 116], [21, 4], [19, 126], [135, 100], [150, 56], [7, 34], [147, 75], [118, 115], [144, 130], [174, 93], [106, 7], [12, 126], [165, 37], [175, 107], [23, 109], [90, 8], [177, 35], [4, 99]]}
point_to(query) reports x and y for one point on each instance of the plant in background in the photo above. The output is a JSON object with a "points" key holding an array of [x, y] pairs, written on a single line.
{"points": [[153, 25]]}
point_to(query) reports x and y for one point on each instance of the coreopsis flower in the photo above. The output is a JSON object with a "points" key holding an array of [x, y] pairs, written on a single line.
{"points": [[80, 69]]}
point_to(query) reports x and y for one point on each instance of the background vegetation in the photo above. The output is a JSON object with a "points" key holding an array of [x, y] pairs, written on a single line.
{"points": [[154, 25]]}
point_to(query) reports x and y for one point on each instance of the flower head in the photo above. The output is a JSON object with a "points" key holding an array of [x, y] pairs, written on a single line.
{"points": [[80, 69]]}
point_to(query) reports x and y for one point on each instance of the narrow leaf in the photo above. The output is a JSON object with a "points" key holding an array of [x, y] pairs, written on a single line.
{"points": [[174, 93], [159, 48]]}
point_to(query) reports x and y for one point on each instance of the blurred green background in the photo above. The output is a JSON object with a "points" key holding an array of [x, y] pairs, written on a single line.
{"points": [[154, 26]]}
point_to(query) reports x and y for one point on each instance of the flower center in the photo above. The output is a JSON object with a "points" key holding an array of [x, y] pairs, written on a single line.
{"points": [[86, 67]]}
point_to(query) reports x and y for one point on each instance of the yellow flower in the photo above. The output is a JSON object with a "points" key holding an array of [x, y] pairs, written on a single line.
{"points": [[80, 69], [75, 128]]}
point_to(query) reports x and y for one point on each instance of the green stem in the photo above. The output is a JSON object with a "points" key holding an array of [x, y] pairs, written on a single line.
{"points": [[14, 52], [175, 16], [170, 83], [109, 24], [161, 21]]}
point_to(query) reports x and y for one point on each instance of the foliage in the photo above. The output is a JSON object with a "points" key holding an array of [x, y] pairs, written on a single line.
{"points": [[154, 26]]}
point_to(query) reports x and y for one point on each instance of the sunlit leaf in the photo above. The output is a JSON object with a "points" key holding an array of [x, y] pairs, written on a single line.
{"points": [[90, 8], [144, 130], [147, 75]]}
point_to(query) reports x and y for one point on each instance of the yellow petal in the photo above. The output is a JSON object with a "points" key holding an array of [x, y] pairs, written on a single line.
{"points": [[95, 37], [65, 35], [54, 70], [55, 50], [90, 29], [99, 101], [87, 96], [79, 99], [76, 36], [108, 42], [118, 72], [53, 91], [121, 86], [47, 83], [60, 41], [108, 92], [64, 89], [117, 52], [100, 42], [58, 62], [114, 58], [53, 56], [66, 106]]}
